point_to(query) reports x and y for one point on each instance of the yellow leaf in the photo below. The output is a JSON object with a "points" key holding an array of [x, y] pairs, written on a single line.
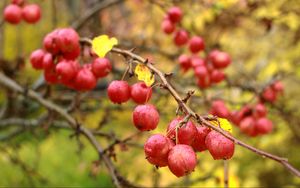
{"points": [[103, 44], [224, 124], [144, 74]]}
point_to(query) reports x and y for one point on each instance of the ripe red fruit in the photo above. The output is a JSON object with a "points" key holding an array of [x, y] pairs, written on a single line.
{"points": [[65, 71], [196, 44], [219, 146], [36, 59], [118, 91], [181, 37], [85, 80], [50, 42], [145, 117], [140, 93], [220, 59], [201, 72], [260, 110], [31, 13], [219, 109], [197, 61], [264, 126], [278, 86], [167, 26], [72, 55], [174, 14], [204, 82], [184, 62], [199, 141], [12, 14], [269, 95], [186, 133], [101, 67], [217, 76], [182, 160], [157, 148], [18, 2], [67, 40], [247, 126], [50, 76], [48, 61]]}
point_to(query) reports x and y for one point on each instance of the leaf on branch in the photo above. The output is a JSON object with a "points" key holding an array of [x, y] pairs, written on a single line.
{"points": [[103, 44], [144, 74], [224, 124]]}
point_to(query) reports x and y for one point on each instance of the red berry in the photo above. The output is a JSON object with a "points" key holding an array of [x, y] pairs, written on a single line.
{"points": [[48, 61], [145, 117], [50, 42], [18, 2], [264, 126], [167, 26], [247, 126], [140, 93], [199, 141], [260, 110], [219, 109], [181, 37], [50, 76], [36, 59], [182, 160], [157, 148], [118, 91], [72, 55], [219, 146], [201, 72], [31, 13], [269, 95], [220, 59], [12, 14], [204, 82], [66, 71], [278, 86], [184, 62], [197, 61], [67, 40], [196, 44], [186, 133], [85, 80], [217, 76], [175, 14], [101, 67]]}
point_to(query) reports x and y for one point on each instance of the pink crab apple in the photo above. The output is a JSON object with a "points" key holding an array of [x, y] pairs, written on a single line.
{"points": [[181, 37], [50, 42], [219, 109], [167, 26], [204, 82], [219, 146], [260, 110], [182, 160], [101, 67], [197, 61], [67, 40], [12, 14], [186, 133], [36, 59], [247, 126], [66, 71], [140, 93], [199, 141], [264, 125], [51, 76], [31, 13], [196, 44], [85, 80], [201, 72], [220, 59], [145, 117], [118, 91], [18, 2], [269, 95], [184, 62], [217, 76], [48, 61], [157, 148], [278, 86], [174, 14]]}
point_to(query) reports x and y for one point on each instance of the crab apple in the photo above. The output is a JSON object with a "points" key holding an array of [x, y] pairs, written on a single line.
{"points": [[197, 61], [201, 71], [181, 37], [184, 62], [18, 2], [220, 59], [182, 160], [247, 126], [72, 55], [269, 95], [140, 93], [260, 110], [157, 148], [264, 126], [145, 117], [174, 14], [85, 80], [219, 146], [199, 141], [65, 70], [12, 14], [67, 40], [217, 76], [50, 42], [278, 86], [48, 61], [204, 82], [167, 26], [101, 67], [196, 44], [236, 117], [118, 91], [36, 59], [219, 109], [31, 13], [186, 133]]}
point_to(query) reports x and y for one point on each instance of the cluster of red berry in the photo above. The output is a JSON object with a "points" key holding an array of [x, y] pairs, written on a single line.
{"points": [[161, 150], [58, 59], [251, 120], [207, 70], [18, 10]]}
